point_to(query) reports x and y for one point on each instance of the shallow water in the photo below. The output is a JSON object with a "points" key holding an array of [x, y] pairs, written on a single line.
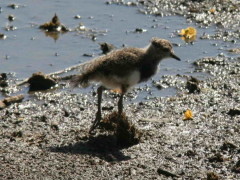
{"points": [[27, 49]]}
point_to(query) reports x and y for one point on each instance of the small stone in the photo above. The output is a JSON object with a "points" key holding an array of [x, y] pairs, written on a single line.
{"points": [[66, 113], [13, 6], [2, 105], [17, 134], [217, 158], [11, 17], [94, 38], [236, 167], [193, 85], [234, 112], [3, 83], [54, 126], [10, 28], [228, 146], [43, 118], [106, 47], [212, 176], [191, 153], [140, 30], [3, 36], [3, 76], [77, 16]]}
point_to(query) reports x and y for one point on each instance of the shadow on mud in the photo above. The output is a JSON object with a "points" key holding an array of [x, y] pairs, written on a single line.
{"points": [[103, 146]]}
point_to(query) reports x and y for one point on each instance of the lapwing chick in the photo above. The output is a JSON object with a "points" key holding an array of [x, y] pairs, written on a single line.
{"points": [[122, 69]]}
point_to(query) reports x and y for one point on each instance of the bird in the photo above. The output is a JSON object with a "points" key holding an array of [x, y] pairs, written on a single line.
{"points": [[123, 68]]}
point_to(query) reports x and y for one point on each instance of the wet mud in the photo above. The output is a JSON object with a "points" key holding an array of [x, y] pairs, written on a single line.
{"points": [[46, 136]]}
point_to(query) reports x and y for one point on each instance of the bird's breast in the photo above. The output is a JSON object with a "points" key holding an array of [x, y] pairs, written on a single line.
{"points": [[147, 71], [114, 81]]}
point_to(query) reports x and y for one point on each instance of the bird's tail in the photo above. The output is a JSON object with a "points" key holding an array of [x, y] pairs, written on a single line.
{"points": [[81, 79]]}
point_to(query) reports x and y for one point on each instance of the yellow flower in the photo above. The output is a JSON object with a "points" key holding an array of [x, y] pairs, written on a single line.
{"points": [[188, 115]]}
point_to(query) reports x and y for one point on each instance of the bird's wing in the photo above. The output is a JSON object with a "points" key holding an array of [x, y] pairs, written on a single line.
{"points": [[119, 62]]}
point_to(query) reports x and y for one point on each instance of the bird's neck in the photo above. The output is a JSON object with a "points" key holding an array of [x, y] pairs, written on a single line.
{"points": [[152, 56]]}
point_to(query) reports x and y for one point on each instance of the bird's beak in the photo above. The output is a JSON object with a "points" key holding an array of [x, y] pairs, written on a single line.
{"points": [[175, 57]]}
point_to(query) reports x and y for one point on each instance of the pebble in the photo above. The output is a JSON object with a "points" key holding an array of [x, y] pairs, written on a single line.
{"points": [[77, 16], [11, 17]]}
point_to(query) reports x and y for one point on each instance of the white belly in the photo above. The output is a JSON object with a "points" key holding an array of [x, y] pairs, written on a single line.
{"points": [[115, 82]]}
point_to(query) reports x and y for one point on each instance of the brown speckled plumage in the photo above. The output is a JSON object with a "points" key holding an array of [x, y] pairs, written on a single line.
{"points": [[124, 61]]}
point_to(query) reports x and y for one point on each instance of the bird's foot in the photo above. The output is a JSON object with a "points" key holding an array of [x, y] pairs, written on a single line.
{"points": [[95, 123]]}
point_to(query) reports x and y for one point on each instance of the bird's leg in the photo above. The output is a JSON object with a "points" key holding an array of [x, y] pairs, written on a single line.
{"points": [[99, 112], [120, 105], [120, 101]]}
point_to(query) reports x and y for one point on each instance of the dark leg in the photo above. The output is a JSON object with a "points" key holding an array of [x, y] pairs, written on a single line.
{"points": [[99, 112], [120, 105], [120, 101]]}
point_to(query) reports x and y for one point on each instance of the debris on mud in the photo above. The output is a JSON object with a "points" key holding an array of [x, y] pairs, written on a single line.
{"points": [[3, 83], [126, 133], [2, 36], [236, 167], [106, 47], [140, 30], [235, 50], [77, 16], [212, 176], [10, 100], [234, 112], [2, 105], [11, 17], [192, 85], [10, 28], [54, 25], [39, 81], [13, 6]]}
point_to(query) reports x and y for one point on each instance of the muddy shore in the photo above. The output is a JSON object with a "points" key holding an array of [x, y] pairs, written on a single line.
{"points": [[47, 137]]}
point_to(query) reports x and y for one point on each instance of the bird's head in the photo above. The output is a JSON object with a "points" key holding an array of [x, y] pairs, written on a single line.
{"points": [[163, 48]]}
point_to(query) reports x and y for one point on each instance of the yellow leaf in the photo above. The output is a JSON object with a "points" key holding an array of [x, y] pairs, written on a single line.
{"points": [[212, 10], [188, 115], [189, 33], [182, 33]]}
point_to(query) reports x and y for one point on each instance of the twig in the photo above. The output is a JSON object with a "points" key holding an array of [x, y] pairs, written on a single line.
{"points": [[57, 73]]}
